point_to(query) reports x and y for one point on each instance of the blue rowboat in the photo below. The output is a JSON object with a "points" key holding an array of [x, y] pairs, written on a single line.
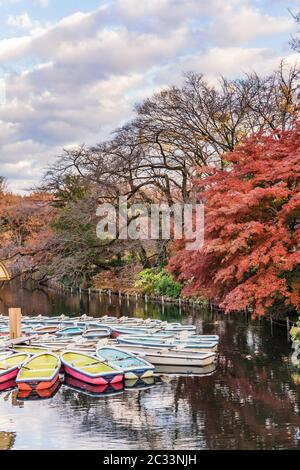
{"points": [[133, 367], [69, 331], [169, 343]]}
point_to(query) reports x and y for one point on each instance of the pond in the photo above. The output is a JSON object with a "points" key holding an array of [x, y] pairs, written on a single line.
{"points": [[250, 401]]}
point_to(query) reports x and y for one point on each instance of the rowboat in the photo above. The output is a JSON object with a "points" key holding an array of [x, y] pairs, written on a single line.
{"points": [[162, 334], [92, 325], [4, 330], [10, 366], [134, 367], [44, 330], [39, 372], [130, 322], [90, 369], [34, 320], [70, 344], [172, 357], [201, 346], [54, 320], [31, 350], [69, 331], [183, 371], [97, 333], [117, 331], [93, 390], [5, 354], [181, 358]]}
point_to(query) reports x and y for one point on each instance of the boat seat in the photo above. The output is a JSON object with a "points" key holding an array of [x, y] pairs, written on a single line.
{"points": [[83, 364]]}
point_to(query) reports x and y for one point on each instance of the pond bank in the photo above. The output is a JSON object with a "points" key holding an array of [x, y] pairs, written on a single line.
{"points": [[133, 293]]}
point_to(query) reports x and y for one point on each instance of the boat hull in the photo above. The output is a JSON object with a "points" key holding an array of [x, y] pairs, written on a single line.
{"points": [[36, 385], [12, 374], [173, 360], [103, 380], [9, 385], [173, 357]]}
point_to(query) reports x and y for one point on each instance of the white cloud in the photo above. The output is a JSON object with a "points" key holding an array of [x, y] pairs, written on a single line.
{"points": [[22, 21], [233, 25], [84, 73]]}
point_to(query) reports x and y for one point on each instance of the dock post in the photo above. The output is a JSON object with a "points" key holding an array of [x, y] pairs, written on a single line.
{"points": [[288, 327], [271, 321], [15, 329]]}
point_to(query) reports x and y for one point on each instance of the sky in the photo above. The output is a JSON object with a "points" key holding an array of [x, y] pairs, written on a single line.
{"points": [[71, 71]]}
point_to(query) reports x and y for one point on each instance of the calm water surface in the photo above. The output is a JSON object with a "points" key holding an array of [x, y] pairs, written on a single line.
{"points": [[251, 401]]}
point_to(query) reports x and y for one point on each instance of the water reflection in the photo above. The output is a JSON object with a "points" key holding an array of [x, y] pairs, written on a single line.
{"points": [[251, 401], [93, 390]]}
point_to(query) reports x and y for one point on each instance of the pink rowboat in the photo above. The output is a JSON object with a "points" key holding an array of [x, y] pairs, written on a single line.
{"points": [[89, 369], [10, 366]]}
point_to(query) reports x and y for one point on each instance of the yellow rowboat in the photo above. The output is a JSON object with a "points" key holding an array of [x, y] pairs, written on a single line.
{"points": [[39, 372], [90, 369], [32, 350]]}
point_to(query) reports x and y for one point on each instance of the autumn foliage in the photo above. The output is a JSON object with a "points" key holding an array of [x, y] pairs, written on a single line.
{"points": [[24, 230], [250, 257]]}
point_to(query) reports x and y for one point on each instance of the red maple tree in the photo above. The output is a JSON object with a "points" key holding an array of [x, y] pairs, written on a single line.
{"points": [[250, 257]]}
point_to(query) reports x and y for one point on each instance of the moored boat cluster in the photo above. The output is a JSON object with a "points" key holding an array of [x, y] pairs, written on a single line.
{"points": [[93, 354]]}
